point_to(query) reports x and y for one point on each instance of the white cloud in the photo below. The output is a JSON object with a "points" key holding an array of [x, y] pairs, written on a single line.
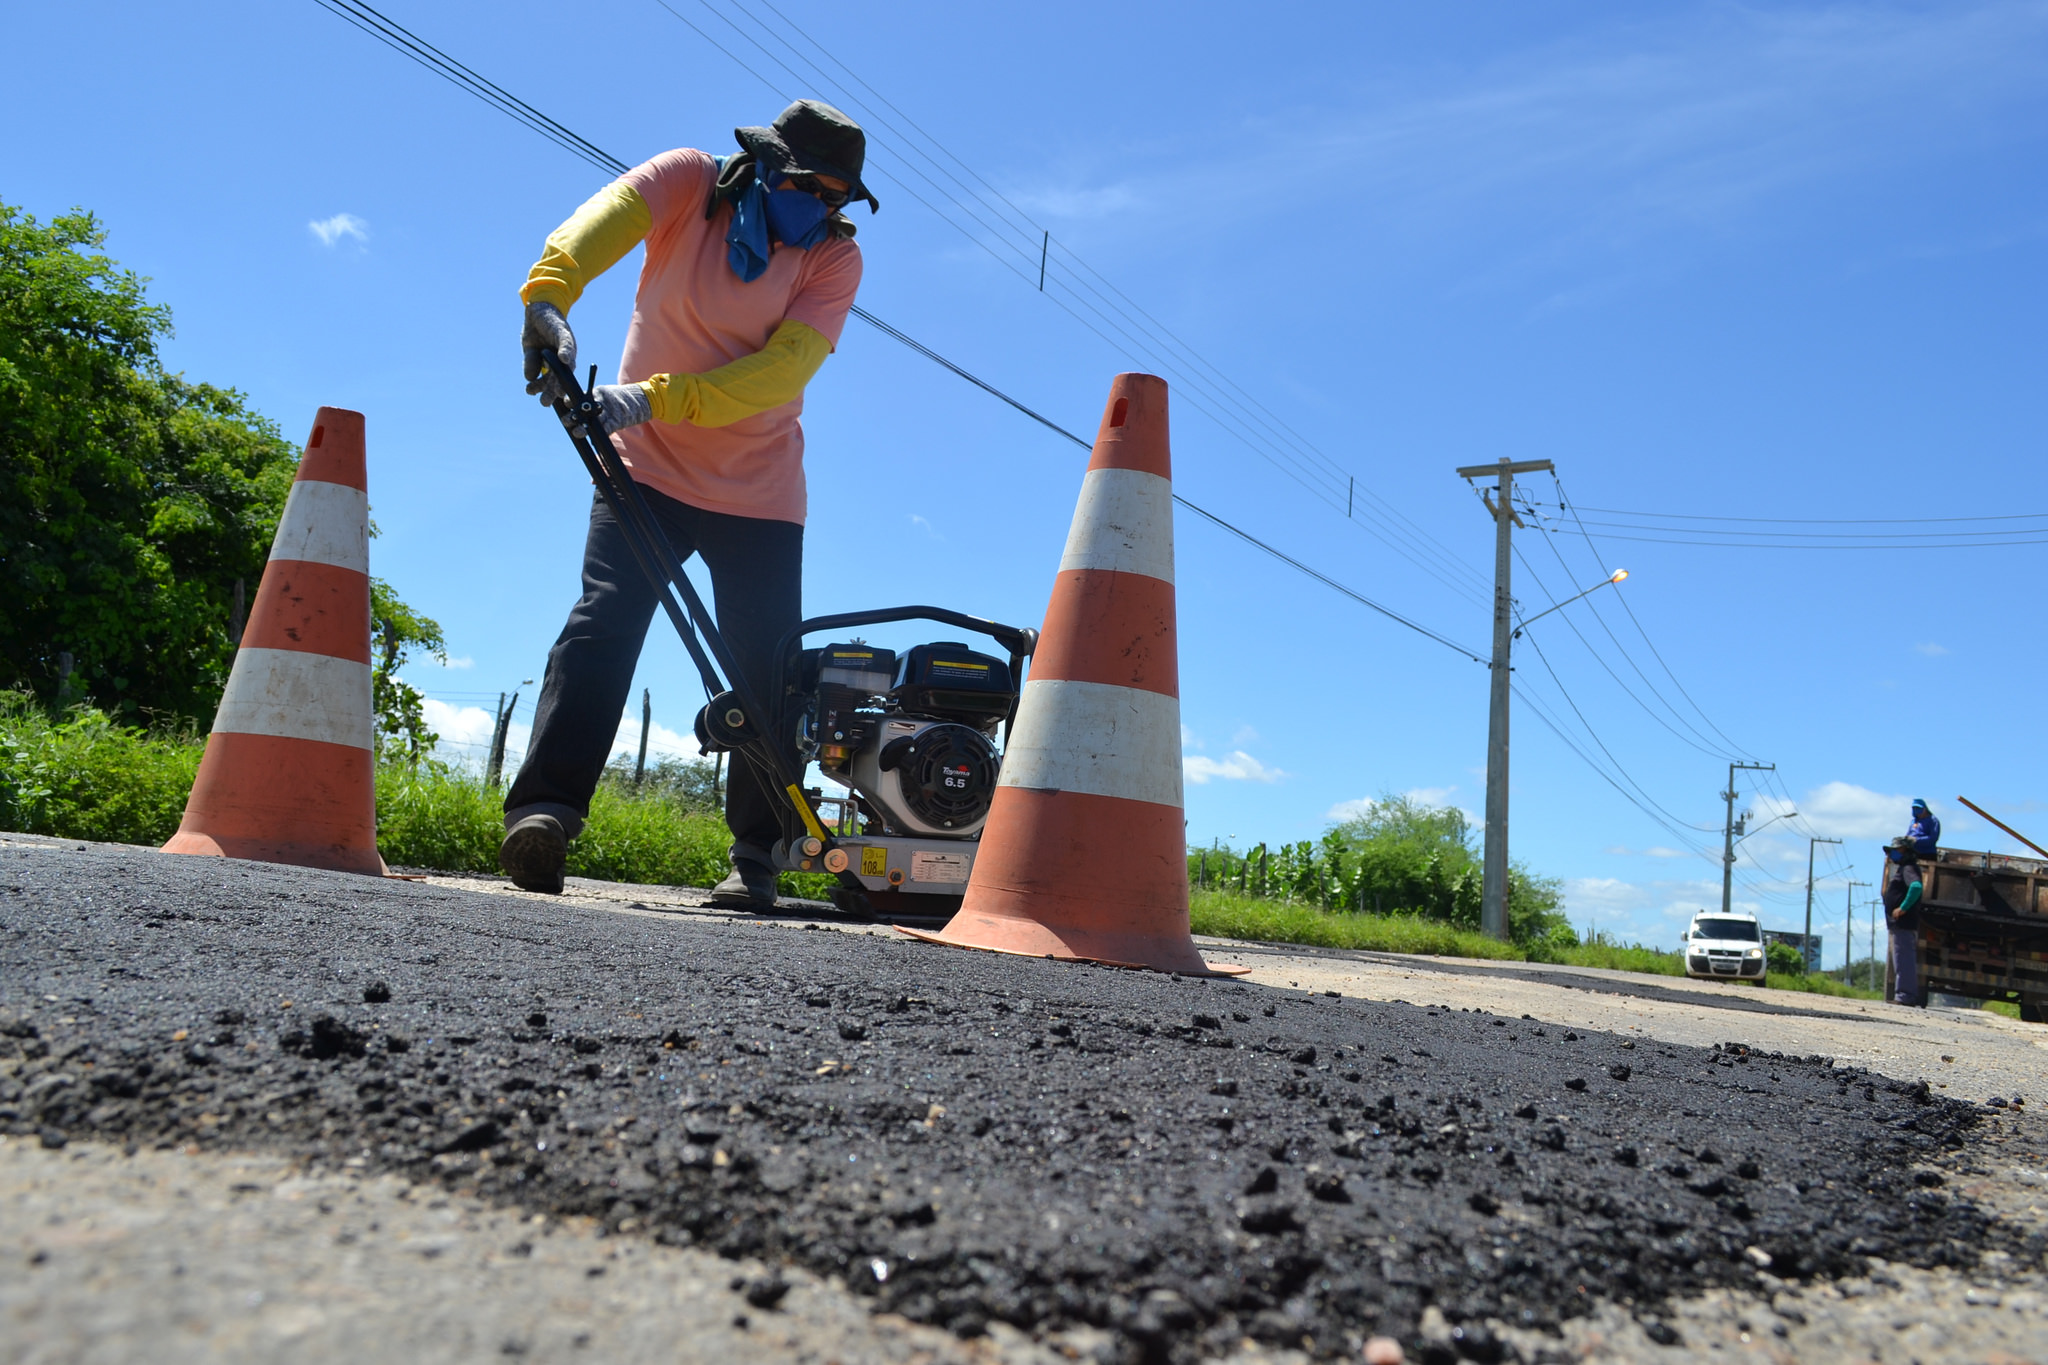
{"points": [[1245, 735], [332, 230], [925, 526], [662, 742], [1931, 650], [1361, 807], [1188, 740], [1106, 202], [1843, 810], [465, 733], [464, 662], [1684, 118], [1238, 767]]}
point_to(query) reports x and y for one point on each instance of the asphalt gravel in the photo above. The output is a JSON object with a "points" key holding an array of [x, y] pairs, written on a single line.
{"points": [[964, 1137]]}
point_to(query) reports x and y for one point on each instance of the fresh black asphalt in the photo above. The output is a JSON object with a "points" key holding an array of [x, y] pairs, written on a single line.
{"points": [[964, 1137]]}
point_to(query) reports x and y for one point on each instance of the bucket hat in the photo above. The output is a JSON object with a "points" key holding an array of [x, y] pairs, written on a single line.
{"points": [[812, 138]]}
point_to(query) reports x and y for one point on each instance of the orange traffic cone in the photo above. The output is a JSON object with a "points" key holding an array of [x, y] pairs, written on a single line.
{"points": [[287, 776], [1085, 852]]}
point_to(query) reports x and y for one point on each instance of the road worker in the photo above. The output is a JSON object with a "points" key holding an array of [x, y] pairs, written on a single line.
{"points": [[750, 271], [1903, 888]]}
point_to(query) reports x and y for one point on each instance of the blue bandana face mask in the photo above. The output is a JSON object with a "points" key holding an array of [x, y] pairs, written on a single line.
{"points": [[788, 216], [796, 218]]}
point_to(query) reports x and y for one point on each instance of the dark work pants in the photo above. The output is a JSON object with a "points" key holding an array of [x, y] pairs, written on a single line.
{"points": [[757, 594]]}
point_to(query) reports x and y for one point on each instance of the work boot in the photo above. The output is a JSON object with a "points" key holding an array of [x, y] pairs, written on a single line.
{"points": [[533, 853], [750, 886]]}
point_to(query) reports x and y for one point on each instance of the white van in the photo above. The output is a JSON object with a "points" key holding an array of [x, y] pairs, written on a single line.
{"points": [[1730, 945]]}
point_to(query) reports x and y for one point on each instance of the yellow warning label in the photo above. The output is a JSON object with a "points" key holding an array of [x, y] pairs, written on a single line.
{"points": [[874, 862], [803, 808], [958, 663]]}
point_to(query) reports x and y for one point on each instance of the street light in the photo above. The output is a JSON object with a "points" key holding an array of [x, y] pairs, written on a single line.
{"points": [[1615, 577]]}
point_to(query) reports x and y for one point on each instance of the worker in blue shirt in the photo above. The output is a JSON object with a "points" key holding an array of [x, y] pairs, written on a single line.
{"points": [[1903, 888]]}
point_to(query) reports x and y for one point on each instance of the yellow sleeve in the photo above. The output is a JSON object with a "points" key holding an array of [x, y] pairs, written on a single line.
{"points": [[770, 377], [611, 223]]}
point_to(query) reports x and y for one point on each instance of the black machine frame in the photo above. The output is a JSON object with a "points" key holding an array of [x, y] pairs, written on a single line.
{"points": [[735, 717]]}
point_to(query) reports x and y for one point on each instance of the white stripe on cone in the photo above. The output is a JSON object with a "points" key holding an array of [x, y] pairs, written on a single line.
{"points": [[290, 694], [1124, 521], [1096, 738], [325, 523]]}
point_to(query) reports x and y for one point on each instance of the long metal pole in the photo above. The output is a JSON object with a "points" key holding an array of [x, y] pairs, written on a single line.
{"points": [[1493, 907], [1803, 942], [1493, 898], [1849, 931], [1728, 832], [646, 724], [1728, 845]]}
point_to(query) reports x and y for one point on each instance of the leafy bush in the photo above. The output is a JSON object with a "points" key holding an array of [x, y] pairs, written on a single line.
{"points": [[83, 776], [1784, 959], [1400, 858]]}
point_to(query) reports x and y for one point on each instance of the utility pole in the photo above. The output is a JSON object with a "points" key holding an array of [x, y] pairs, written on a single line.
{"points": [[1849, 933], [646, 724], [1805, 942], [1493, 904], [1728, 831], [494, 765]]}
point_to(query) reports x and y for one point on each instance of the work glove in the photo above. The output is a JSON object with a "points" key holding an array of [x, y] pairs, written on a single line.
{"points": [[624, 405], [546, 330]]}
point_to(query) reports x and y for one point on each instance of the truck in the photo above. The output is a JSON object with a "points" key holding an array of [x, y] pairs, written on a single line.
{"points": [[1984, 929]]}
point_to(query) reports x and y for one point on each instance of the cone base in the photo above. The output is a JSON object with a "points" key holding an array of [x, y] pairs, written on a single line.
{"points": [[1025, 938], [368, 863], [269, 799]]}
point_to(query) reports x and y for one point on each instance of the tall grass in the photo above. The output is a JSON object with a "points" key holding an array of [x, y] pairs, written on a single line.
{"points": [[1631, 957], [84, 777], [1227, 915]]}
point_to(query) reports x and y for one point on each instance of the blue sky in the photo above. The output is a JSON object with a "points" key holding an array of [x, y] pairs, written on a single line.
{"points": [[1713, 260]]}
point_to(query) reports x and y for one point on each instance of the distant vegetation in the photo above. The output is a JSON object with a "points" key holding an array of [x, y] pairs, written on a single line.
{"points": [[84, 775], [1401, 858]]}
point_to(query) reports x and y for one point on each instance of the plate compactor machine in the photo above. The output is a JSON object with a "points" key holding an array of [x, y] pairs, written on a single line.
{"points": [[911, 737]]}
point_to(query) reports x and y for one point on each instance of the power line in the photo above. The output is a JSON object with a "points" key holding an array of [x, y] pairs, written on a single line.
{"points": [[1154, 343], [435, 60], [1626, 690], [1828, 535], [1699, 739], [2015, 537], [1595, 737], [1795, 521], [1622, 596]]}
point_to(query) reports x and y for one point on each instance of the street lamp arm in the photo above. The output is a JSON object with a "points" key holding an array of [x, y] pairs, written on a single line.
{"points": [[1768, 823], [1615, 577]]}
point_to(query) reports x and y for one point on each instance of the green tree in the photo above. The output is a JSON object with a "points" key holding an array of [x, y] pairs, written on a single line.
{"points": [[135, 506], [1404, 856], [396, 630], [131, 501], [1783, 957]]}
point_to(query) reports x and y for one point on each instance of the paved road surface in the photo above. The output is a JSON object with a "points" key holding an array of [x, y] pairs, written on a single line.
{"points": [[1144, 1167]]}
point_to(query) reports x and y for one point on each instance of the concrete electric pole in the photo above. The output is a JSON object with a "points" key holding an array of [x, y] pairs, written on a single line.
{"points": [[1493, 904], [1849, 933], [1728, 831], [1806, 942]]}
